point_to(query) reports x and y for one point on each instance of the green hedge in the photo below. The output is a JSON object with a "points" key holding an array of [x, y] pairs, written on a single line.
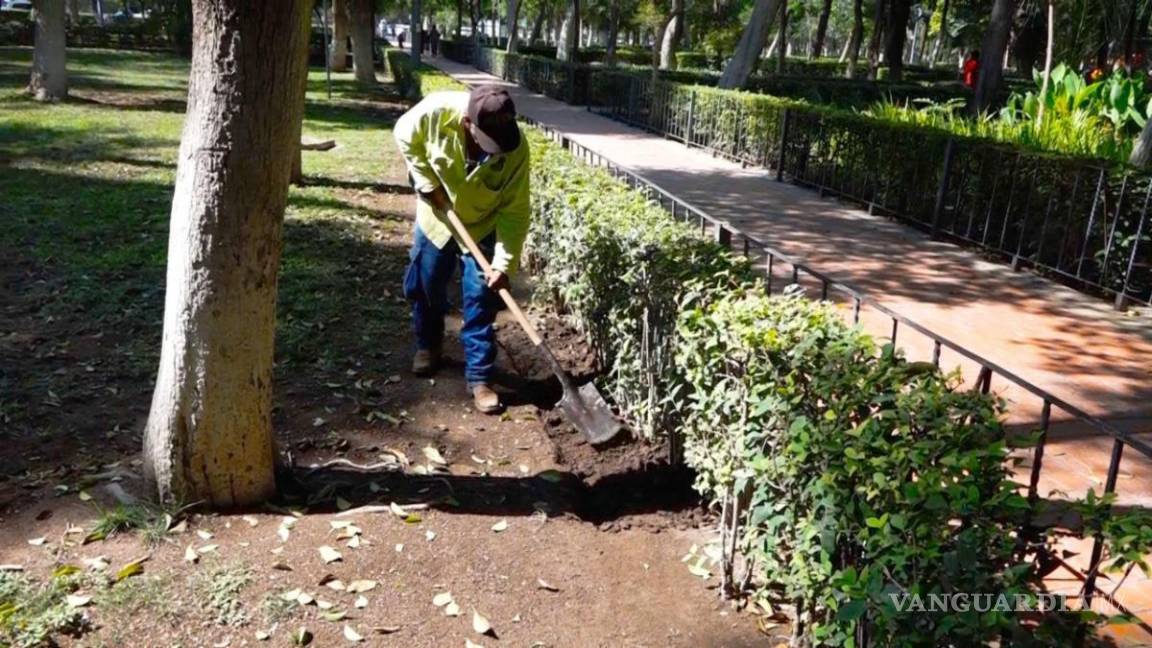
{"points": [[412, 81]]}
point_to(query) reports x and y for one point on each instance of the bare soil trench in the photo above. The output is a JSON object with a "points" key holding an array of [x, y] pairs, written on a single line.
{"points": [[520, 498]]}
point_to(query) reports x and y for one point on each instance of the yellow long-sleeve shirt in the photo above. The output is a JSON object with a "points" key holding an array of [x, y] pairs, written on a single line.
{"points": [[493, 197]]}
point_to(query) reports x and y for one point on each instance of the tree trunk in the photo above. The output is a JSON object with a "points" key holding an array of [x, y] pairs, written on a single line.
{"points": [[942, 39], [992, 50], [613, 32], [360, 28], [821, 31], [782, 51], [513, 19], [49, 80], [568, 45], [856, 39], [1142, 152], [877, 39], [415, 31], [1047, 62], [673, 32], [209, 434], [74, 11], [537, 26], [459, 19], [897, 36], [752, 42], [339, 57]]}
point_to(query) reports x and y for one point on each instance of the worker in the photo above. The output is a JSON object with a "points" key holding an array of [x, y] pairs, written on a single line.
{"points": [[464, 153], [972, 69]]}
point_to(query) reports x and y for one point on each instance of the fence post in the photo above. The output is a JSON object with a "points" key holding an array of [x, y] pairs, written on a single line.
{"points": [[942, 192], [631, 98], [785, 119], [691, 117]]}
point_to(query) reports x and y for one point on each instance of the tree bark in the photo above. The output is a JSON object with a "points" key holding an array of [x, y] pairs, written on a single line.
{"points": [[339, 54], [673, 32], [74, 10], [209, 434], [538, 26], [415, 31], [513, 19], [613, 32], [992, 50], [1142, 151], [360, 28], [1048, 47], [568, 45], [856, 39], [821, 31], [752, 42], [877, 39], [49, 81], [782, 51], [942, 39], [459, 19], [897, 36]]}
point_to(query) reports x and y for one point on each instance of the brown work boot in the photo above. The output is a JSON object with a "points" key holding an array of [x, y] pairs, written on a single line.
{"points": [[425, 361], [486, 400]]}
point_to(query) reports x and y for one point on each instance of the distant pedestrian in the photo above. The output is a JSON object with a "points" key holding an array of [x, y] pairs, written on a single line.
{"points": [[400, 39], [434, 40], [423, 40], [972, 69]]}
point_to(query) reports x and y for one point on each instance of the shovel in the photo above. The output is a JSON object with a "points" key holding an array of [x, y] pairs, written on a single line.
{"points": [[584, 406]]}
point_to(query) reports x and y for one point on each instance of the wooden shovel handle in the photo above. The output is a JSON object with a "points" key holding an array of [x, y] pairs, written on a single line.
{"points": [[474, 249]]}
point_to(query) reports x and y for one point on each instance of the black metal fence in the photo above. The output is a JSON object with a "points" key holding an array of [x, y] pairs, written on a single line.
{"points": [[781, 270], [1082, 222]]}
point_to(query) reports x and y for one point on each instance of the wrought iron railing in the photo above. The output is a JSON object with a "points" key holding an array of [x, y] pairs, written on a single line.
{"points": [[776, 264]]}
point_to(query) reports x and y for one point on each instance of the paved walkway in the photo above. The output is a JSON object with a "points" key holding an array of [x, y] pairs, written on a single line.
{"points": [[1072, 345]]}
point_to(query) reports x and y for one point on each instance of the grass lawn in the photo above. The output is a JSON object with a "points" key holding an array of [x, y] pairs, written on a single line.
{"points": [[85, 193]]}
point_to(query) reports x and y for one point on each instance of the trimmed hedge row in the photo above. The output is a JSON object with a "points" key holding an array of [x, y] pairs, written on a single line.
{"points": [[414, 81]]}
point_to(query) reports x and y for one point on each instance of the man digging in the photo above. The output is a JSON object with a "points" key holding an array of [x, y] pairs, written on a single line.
{"points": [[464, 153]]}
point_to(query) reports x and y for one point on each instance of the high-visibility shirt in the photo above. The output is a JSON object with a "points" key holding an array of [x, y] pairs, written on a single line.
{"points": [[491, 196]]}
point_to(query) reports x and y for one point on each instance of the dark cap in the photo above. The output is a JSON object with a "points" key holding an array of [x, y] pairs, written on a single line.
{"points": [[491, 109]]}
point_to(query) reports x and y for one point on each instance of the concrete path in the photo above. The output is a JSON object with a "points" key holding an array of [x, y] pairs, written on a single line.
{"points": [[1074, 346]]}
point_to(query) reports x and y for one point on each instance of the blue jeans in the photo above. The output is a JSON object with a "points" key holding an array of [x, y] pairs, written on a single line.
{"points": [[426, 282]]}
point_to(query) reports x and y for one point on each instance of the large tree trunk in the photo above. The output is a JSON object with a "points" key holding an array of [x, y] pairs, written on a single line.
{"points": [[209, 434], [857, 37], [673, 32], [568, 45], [821, 31], [1047, 62], [613, 32], [992, 50], [897, 36], [942, 38], [339, 55], [752, 42], [49, 80], [360, 18], [538, 26], [877, 39], [513, 20], [416, 31]]}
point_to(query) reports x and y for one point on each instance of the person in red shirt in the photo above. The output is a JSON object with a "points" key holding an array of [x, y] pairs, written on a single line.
{"points": [[971, 68]]}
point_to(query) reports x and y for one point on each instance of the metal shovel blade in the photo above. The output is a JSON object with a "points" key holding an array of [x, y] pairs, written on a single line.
{"points": [[586, 410]]}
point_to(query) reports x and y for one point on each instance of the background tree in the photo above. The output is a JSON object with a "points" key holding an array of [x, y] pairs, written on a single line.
{"points": [[672, 35], [339, 55], [49, 80], [879, 25], [513, 10], [817, 49], [856, 39], [360, 15], [782, 38], [899, 12], [568, 44], [752, 42], [209, 433], [992, 54]]}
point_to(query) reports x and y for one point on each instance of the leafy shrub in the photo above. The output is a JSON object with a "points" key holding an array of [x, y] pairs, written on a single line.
{"points": [[643, 260], [691, 60], [16, 28], [32, 613], [414, 81]]}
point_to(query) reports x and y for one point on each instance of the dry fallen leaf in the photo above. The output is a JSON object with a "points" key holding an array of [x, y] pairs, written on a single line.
{"points": [[262, 635], [36, 542], [78, 600], [305, 599], [204, 535], [99, 563], [325, 605], [291, 595], [329, 555], [190, 554], [302, 637], [500, 526], [452, 609], [468, 643], [357, 586], [480, 623], [361, 602], [250, 520], [433, 456], [545, 585], [208, 548], [389, 629], [352, 635], [442, 599], [430, 535]]}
